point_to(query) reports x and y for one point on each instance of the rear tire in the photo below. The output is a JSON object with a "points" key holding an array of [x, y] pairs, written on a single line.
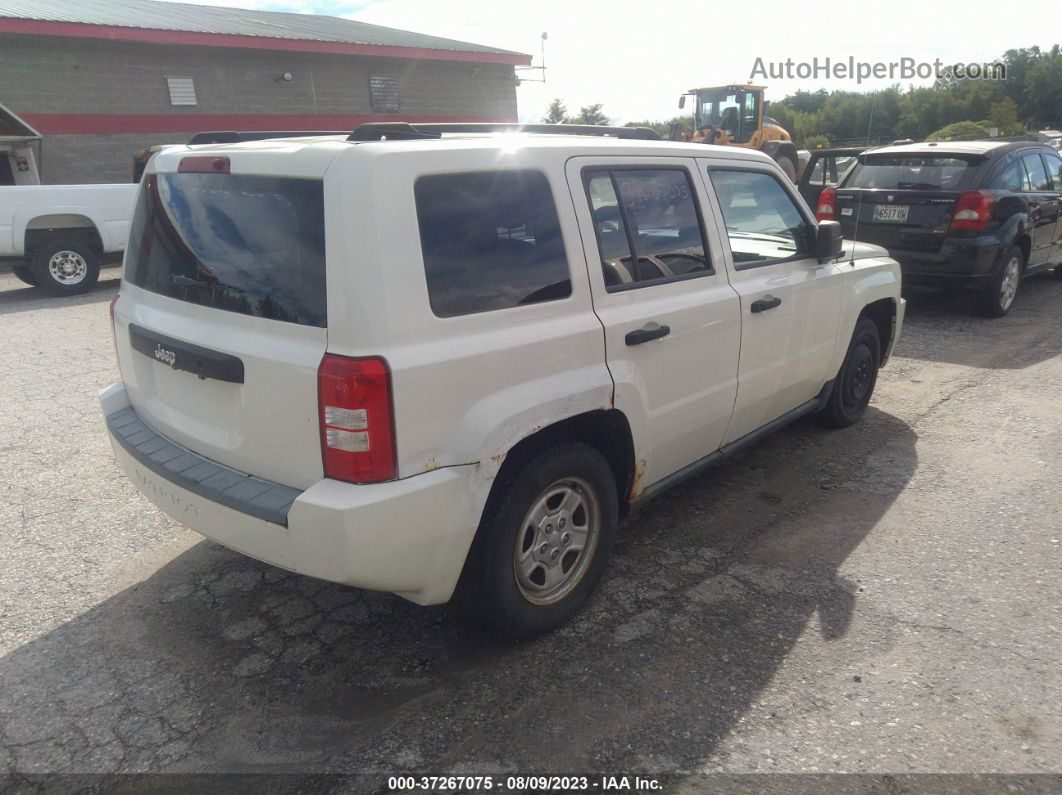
{"points": [[855, 383], [543, 542], [66, 266], [25, 273], [998, 297]]}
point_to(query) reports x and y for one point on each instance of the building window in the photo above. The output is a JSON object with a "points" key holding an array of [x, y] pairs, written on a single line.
{"points": [[383, 92], [182, 90]]}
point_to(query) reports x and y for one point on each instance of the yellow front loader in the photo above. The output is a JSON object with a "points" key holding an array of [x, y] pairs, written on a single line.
{"points": [[736, 115]]}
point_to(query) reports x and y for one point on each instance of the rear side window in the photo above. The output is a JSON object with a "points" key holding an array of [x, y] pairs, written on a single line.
{"points": [[653, 211], [491, 240], [247, 244], [1054, 168], [1037, 175], [914, 172]]}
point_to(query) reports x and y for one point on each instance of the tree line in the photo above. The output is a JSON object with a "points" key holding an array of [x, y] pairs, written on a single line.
{"points": [[1029, 99]]}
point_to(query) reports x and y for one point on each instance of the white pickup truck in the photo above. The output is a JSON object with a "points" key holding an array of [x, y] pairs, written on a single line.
{"points": [[61, 232]]}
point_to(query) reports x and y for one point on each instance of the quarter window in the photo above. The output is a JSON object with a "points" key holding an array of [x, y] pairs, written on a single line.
{"points": [[763, 222], [1012, 177], [647, 224], [491, 240]]}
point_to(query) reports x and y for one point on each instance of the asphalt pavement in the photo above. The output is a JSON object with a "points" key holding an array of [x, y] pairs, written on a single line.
{"points": [[883, 599]]}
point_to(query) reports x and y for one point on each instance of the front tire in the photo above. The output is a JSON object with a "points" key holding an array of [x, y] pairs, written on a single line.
{"points": [[66, 266], [997, 299], [544, 541], [855, 382]]}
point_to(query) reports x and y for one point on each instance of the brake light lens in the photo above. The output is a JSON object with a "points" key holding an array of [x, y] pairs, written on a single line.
{"points": [[203, 164], [827, 207], [357, 419], [972, 210]]}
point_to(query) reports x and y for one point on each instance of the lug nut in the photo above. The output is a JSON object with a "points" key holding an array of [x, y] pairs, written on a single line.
{"points": [[562, 523], [549, 529], [566, 539], [554, 554], [542, 550]]}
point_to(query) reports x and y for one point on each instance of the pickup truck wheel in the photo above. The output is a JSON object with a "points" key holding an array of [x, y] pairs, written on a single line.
{"points": [[25, 273], [997, 299], [544, 541], [855, 382], [66, 266]]}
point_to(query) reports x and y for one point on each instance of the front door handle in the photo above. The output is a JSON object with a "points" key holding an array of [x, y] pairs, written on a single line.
{"points": [[763, 304], [650, 331]]}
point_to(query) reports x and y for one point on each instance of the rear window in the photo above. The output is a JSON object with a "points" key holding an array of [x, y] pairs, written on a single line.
{"points": [[247, 244], [914, 172], [491, 240]]}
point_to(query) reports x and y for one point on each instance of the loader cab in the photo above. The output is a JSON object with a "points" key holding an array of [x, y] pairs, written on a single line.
{"points": [[736, 112]]}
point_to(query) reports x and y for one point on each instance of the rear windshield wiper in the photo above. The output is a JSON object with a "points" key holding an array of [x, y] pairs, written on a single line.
{"points": [[178, 280], [916, 186]]}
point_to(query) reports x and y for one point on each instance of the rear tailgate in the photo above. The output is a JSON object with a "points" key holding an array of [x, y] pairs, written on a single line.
{"points": [[901, 219], [221, 321], [904, 201]]}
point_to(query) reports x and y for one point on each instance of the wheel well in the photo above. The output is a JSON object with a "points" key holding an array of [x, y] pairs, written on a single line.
{"points": [[1024, 244], [607, 431], [46, 227], [883, 313]]}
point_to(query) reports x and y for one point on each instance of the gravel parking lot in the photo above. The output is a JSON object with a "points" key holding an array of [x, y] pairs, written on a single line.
{"points": [[882, 599]]}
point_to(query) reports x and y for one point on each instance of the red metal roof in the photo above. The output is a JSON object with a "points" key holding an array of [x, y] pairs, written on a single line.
{"points": [[210, 26]]}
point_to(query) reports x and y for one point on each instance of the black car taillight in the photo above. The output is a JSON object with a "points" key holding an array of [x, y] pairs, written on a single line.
{"points": [[972, 210], [827, 206]]}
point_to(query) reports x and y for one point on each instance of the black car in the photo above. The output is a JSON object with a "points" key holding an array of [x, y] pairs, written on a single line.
{"points": [[975, 215]]}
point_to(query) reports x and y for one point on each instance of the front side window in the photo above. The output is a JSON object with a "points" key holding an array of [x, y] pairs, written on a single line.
{"points": [[647, 224], [490, 240], [763, 222]]}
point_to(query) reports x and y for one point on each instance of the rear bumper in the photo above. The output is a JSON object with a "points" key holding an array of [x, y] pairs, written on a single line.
{"points": [[960, 264], [408, 536]]}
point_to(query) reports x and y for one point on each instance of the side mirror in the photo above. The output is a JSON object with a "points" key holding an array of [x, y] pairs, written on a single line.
{"points": [[682, 102], [828, 241]]}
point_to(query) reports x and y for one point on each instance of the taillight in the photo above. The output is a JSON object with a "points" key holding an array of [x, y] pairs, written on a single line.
{"points": [[203, 164], [827, 207], [972, 210], [357, 422]]}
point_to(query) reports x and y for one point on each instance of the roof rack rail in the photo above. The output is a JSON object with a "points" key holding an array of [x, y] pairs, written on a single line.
{"points": [[237, 136], [404, 131]]}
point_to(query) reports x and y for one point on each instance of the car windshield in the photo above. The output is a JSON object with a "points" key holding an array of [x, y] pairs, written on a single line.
{"points": [[914, 172]]}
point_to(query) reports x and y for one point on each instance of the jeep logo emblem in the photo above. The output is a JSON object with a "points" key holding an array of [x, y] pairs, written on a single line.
{"points": [[889, 197], [163, 355]]}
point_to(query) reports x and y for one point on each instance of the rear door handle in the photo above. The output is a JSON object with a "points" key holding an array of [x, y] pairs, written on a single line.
{"points": [[763, 304], [650, 331]]}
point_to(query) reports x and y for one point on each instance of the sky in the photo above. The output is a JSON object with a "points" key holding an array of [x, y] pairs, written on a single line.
{"points": [[636, 58]]}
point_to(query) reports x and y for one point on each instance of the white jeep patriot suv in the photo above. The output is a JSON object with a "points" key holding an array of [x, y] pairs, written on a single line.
{"points": [[440, 361]]}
